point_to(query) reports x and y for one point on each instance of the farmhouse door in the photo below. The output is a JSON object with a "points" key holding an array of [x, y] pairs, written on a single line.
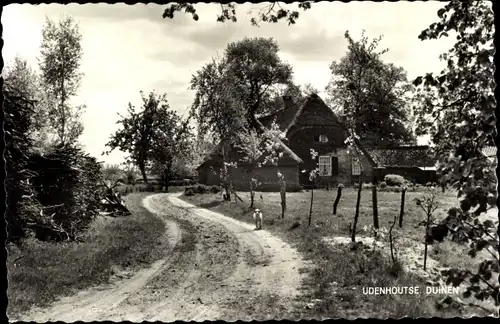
{"points": [[335, 166]]}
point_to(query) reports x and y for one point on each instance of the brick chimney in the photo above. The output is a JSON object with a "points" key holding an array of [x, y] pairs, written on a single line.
{"points": [[287, 101]]}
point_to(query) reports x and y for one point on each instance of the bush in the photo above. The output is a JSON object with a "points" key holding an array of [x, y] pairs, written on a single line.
{"points": [[200, 189], [175, 183], [394, 180], [67, 186], [214, 189], [382, 184], [367, 185]]}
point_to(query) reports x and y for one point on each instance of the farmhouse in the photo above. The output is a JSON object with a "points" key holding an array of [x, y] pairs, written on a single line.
{"points": [[310, 124]]}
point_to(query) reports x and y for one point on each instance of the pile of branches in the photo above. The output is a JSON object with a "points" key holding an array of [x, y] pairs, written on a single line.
{"points": [[112, 203], [66, 195]]}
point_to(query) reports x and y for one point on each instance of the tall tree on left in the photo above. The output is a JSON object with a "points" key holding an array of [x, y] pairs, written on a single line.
{"points": [[60, 59], [19, 75]]}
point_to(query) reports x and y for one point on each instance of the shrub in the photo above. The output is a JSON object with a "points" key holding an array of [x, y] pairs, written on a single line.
{"points": [[214, 189], [201, 189], [176, 183], [187, 182], [189, 192], [67, 185], [382, 184], [394, 180], [367, 185]]}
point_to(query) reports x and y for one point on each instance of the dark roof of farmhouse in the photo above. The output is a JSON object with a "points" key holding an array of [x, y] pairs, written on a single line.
{"points": [[283, 117], [287, 115], [404, 156]]}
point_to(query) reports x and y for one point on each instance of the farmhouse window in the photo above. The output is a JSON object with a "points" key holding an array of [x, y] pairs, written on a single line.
{"points": [[356, 166], [325, 166], [321, 138]]}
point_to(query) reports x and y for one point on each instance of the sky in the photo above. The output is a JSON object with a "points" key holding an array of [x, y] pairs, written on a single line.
{"points": [[128, 48]]}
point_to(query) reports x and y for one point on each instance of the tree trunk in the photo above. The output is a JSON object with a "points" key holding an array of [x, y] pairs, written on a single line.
{"points": [[228, 194], [401, 213], [426, 231], [225, 176], [234, 192], [142, 167], [339, 194], [252, 194], [390, 240], [167, 178], [356, 215], [311, 205], [283, 198], [375, 205], [63, 101]]}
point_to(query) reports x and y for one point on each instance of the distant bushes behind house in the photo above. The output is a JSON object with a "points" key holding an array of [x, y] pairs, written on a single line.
{"points": [[395, 180], [201, 189]]}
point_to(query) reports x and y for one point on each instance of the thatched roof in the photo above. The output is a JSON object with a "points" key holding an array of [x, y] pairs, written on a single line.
{"points": [[283, 117]]}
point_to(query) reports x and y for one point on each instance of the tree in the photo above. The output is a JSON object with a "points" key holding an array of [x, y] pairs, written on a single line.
{"points": [[18, 110], [60, 60], [140, 129], [113, 174], [272, 152], [271, 13], [371, 94], [172, 140], [256, 68], [130, 172], [313, 176], [217, 112], [308, 89], [279, 91], [249, 145], [457, 108], [19, 75], [429, 205]]}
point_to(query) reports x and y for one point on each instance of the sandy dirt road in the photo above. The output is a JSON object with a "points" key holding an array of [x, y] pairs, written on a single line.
{"points": [[217, 269]]}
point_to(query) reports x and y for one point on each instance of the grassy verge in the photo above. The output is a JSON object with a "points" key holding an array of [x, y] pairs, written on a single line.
{"points": [[339, 274], [40, 272]]}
